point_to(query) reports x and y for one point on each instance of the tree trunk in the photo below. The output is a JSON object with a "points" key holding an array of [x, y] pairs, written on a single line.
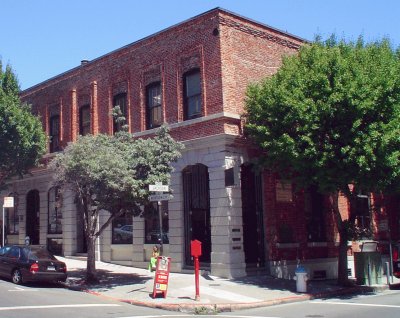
{"points": [[91, 273], [342, 259]]}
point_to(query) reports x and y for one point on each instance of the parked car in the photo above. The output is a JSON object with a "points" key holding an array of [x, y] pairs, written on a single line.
{"points": [[155, 237], [396, 260], [123, 233], [23, 264]]}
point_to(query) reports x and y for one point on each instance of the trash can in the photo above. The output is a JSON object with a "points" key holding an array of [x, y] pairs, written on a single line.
{"points": [[301, 279], [368, 264]]}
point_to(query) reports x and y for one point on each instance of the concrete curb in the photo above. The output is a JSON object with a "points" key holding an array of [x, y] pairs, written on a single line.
{"points": [[228, 307]]}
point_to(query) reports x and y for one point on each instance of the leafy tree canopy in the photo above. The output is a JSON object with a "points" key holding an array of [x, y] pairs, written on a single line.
{"points": [[331, 116], [22, 140], [113, 173]]}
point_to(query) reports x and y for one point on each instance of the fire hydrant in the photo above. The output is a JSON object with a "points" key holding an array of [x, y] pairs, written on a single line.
{"points": [[301, 279]]}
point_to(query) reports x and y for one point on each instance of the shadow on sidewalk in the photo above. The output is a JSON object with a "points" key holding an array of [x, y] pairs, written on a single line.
{"points": [[108, 280]]}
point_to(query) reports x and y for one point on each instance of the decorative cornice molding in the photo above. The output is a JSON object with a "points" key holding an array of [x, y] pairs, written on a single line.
{"points": [[258, 33]]}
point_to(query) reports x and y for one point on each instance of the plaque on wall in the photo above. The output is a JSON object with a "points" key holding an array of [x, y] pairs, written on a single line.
{"points": [[284, 191]]}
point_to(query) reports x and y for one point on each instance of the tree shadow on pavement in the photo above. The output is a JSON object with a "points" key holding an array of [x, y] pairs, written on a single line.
{"points": [[107, 279]]}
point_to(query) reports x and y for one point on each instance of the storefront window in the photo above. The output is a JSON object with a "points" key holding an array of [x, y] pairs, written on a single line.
{"points": [[122, 230], [55, 214], [12, 221], [152, 224]]}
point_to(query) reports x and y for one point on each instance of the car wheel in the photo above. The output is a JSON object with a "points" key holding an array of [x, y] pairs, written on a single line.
{"points": [[16, 277]]}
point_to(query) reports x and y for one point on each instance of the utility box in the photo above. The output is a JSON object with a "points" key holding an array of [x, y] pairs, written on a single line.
{"points": [[368, 265]]}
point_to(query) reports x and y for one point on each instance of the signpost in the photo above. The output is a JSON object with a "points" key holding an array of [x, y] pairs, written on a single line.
{"points": [[8, 203], [159, 188]]}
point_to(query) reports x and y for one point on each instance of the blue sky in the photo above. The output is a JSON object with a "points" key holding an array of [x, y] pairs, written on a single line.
{"points": [[43, 38]]}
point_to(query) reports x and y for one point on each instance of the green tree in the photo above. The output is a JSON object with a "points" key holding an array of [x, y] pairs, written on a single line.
{"points": [[330, 118], [22, 140], [113, 173]]}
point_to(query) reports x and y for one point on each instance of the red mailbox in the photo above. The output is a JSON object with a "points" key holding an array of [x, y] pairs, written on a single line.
{"points": [[195, 248]]}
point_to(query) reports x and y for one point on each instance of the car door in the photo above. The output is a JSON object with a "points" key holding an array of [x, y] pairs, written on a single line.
{"points": [[10, 259], [3, 259]]}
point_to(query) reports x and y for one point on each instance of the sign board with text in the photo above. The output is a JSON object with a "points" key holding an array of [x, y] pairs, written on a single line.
{"points": [[8, 202], [162, 276], [159, 197], [158, 187]]}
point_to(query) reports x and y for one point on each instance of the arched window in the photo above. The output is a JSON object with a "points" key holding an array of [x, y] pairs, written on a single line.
{"points": [[84, 120], [120, 101], [11, 216], [55, 133]]}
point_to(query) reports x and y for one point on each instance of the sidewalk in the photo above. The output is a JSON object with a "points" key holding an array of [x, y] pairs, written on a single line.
{"points": [[135, 286]]}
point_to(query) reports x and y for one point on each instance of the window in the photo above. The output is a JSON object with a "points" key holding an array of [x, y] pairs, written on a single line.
{"points": [[361, 214], [315, 215], [120, 101], [122, 230], [55, 133], [192, 94], [12, 221], [55, 215], [84, 120], [152, 224], [153, 105]]}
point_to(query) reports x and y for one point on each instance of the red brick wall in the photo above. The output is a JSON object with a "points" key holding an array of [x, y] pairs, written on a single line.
{"points": [[229, 50]]}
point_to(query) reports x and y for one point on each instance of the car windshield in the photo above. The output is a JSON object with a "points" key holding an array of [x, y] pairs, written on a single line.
{"points": [[37, 254]]}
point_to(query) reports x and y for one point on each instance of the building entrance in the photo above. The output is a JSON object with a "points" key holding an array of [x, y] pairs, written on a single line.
{"points": [[32, 217]]}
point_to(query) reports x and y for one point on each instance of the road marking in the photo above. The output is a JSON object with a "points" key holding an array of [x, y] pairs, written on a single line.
{"points": [[184, 315], [355, 304], [224, 294], [19, 289], [56, 306]]}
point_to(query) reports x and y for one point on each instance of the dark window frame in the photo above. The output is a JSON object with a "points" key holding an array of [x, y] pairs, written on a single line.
{"points": [[54, 211], [152, 107], [190, 99], [315, 215], [84, 125], [362, 213], [119, 222], [12, 224], [124, 110], [55, 137], [152, 223]]}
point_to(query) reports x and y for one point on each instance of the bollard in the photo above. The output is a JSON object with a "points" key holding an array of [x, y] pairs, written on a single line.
{"points": [[369, 274], [387, 273]]}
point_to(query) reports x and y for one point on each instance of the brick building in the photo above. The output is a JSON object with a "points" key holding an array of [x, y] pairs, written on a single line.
{"points": [[192, 76]]}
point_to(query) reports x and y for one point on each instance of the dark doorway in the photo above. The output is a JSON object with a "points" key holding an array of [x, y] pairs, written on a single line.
{"points": [[196, 195], [252, 211], [32, 216]]}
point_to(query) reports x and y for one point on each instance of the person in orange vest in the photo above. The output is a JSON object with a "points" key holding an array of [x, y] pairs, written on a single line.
{"points": [[153, 260]]}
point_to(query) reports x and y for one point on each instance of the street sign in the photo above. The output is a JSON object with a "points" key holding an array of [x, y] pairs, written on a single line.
{"points": [[8, 202], [160, 197], [158, 187]]}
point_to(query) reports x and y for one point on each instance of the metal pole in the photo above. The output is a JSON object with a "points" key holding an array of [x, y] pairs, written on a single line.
{"points": [[161, 226], [196, 275]]}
